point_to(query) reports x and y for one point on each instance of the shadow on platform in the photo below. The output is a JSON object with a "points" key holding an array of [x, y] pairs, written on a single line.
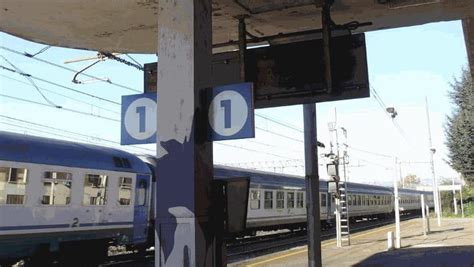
{"points": [[458, 256]]}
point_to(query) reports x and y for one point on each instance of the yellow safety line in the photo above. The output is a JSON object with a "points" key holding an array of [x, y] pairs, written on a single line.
{"points": [[322, 245]]}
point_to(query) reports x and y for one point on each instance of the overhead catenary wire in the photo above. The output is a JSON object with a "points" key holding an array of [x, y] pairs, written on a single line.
{"points": [[272, 146], [374, 163], [39, 52], [32, 83], [121, 60], [36, 131], [69, 132], [370, 152], [280, 135], [63, 95], [284, 124], [68, 69], [61, 86], [63, 108], [132, 59], [384, 109], [252, 150]]}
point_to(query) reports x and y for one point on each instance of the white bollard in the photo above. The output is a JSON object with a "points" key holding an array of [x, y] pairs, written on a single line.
{"points": [[390, 241]]}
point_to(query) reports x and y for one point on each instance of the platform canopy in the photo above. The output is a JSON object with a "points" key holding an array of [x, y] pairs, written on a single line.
{"points": [[131, 25]]}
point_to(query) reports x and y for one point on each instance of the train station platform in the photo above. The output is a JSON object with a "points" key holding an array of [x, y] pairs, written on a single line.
{"points": [[452, 244]]}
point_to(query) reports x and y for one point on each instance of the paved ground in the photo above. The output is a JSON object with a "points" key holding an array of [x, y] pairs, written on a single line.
{"points": [[452, 244]]}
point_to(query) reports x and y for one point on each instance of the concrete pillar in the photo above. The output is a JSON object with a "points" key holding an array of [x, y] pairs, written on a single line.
{"points": [[184, 234], [468, 26]]}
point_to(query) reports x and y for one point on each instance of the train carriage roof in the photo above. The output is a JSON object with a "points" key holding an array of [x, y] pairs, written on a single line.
{"points": [[267, 179], [40, 150], [368, 189]]}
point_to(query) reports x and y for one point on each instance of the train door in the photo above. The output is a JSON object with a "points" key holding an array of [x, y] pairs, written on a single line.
{"points": [[140, 213]]}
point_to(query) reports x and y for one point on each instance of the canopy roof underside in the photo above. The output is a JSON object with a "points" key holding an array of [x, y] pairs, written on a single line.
{"points": [[131, 26]]}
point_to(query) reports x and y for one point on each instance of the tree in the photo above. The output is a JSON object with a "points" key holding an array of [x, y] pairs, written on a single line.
{"points": [[459, 127], [411, 180]]}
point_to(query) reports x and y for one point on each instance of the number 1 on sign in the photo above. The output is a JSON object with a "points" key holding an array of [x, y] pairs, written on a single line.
{"points": [[141, 118], [226, 105]]}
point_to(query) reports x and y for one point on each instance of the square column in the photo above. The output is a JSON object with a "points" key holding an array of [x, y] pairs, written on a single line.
{"points": [[184, 234]]}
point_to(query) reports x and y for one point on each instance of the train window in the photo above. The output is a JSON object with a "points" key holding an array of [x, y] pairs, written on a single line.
{"points": [[359, 202], [255, 199], [56, 188], [268, 204], [13, 185], [323, 200], [95, 190], [280, 200], [125, 191], [140, 198], [299, 200], [350, 200], [290, 200], [58, 175]]}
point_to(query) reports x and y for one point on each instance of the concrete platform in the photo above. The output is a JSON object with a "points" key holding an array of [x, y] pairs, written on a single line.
{"points": [[452, 244]]}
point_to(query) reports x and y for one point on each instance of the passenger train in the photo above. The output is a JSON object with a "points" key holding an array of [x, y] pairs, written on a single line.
{"points": [[63, 197]]}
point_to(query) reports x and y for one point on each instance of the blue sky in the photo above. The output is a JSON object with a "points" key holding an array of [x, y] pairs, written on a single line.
{"points": [[405, 65]]}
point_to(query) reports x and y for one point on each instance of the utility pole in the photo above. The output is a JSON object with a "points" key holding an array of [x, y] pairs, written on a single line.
{"points": [[435, 180], [400, 173]]}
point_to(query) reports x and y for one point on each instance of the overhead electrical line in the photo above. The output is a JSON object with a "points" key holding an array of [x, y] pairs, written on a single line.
{"points": [[370, 152], [252, 150], [284, 124], [61, 86], [384, 109], [69, 132], [62, 108], [39, 52], [31, 81], [63, 95], [68, 69]]}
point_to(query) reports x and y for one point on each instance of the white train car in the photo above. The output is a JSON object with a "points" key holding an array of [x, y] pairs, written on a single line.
{"points": [[58, 196], [277, 200], [411, 199], [369, 200]]}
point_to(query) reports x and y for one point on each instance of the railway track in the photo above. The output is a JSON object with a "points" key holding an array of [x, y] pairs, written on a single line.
{"points": [[254, 246], [279, 242]]}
